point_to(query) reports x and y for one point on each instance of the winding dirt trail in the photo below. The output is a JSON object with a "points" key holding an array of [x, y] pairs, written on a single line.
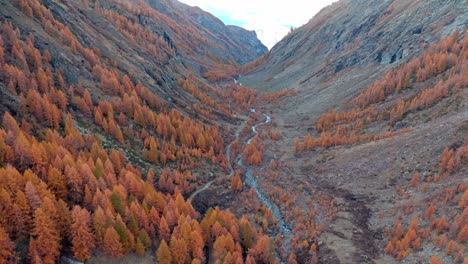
{"points": [[228, 157], [202, 189], [228, 148]]}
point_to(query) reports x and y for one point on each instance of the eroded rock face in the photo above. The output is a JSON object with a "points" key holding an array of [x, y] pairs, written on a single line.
{"points": [[236, 44], [359, 33], [248, 39]]}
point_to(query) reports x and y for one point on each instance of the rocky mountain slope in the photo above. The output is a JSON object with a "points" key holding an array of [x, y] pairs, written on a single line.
{"points": [[143, 42], [384, 33], [236, 43], [339, 44]]}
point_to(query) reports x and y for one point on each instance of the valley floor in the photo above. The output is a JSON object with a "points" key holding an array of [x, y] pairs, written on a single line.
{"points": [[350, 196]]}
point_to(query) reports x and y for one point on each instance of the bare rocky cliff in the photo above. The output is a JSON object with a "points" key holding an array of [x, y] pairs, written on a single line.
{"points": [[360, 36], [234, 44]]}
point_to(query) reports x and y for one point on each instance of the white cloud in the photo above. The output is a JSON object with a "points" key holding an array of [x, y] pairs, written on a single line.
{"points": [[270, 19]]}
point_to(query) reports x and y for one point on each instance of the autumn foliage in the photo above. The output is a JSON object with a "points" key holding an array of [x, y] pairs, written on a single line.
{"points": [[81, 233], [69, 184], [444, 63], [236, 182], [103, 161], [253, 153], [6, 247], [439, 222]]}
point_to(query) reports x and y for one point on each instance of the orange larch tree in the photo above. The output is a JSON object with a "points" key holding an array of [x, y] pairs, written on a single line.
{"points": [[236, 182], [197, 244], [99, 225], [45, 237], [112, 246], [292, 259], [81, 236], [463, 234], [180, 253], [435, 260], [6, 247], [163, 254], [163, 230], [263, 250]]}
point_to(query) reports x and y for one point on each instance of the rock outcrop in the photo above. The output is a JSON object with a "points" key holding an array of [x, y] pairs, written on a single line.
{"points": [[234, 44]]}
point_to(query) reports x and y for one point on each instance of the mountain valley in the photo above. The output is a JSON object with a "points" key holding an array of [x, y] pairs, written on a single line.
{"points": [[150, 132]]}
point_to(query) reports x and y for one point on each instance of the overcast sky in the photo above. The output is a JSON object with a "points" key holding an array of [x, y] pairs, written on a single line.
{"points": [[270, 19]]}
